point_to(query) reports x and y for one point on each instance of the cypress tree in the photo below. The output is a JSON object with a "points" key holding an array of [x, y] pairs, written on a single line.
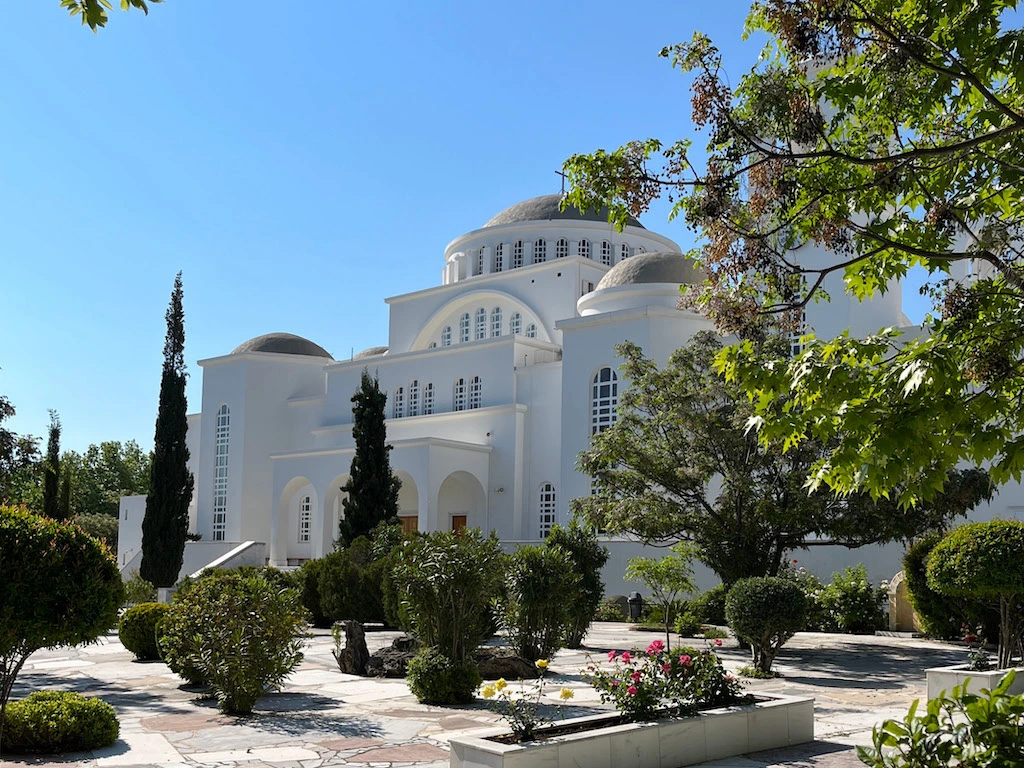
{"points": [[51, 471], [372, 488], [64, 502], [170, 483]]}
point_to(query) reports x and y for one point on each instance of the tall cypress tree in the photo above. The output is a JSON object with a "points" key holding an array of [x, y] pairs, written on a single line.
{"points": [[51, 471], [170, 483], [372, 488], [64, 500]]}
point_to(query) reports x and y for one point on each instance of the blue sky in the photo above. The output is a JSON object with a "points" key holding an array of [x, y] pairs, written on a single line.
{"points": [[299, 162]]}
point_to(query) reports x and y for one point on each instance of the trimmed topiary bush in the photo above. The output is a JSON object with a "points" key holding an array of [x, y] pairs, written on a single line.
{"points": [[138, 629], [437, 679], [536, 606], [985, 561], [589, 557], [765, 611], [709, 607], [51, 722]]}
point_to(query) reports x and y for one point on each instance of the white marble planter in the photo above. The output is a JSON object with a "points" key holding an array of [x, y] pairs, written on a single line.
{"points": [[777, 721], [944, 678]]}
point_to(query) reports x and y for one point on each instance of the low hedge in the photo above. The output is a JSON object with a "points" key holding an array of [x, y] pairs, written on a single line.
{"points": [[51, 722]]}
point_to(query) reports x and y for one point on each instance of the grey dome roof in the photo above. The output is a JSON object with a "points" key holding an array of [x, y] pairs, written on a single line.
{"points": [[371, 352], [283, 344], [656, 267], [546, 208]]}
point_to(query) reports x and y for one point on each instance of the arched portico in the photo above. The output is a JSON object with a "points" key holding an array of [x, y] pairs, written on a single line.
{"points": [[461, 501], [293, 532], [408, 501], [331, 517]]}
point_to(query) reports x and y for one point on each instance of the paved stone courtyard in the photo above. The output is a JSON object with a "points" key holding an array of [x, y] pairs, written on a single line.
{"points": [[325, 718]]}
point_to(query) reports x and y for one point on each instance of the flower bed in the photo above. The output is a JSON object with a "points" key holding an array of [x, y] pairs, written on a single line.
{"points": [[944, 678]]}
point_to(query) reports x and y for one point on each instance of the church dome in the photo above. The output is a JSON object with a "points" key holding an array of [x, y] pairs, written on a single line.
{"points": [[547, 208], [656, 267], [370, 352], [283, 344]]}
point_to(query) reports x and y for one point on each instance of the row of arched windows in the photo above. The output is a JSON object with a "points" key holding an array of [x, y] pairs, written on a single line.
{"points": [[540, 253], [415, 400], [477, 326]]}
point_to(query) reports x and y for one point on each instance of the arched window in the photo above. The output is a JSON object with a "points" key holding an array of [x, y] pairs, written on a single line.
{"points": [[480, 261], [305, 515], [531, 331], [220, 474], [540, 251], [476, 392], [517, 254], [446, 336], [547, 509], [428, 399], [604, 400], [499, 257], [496, 321], [585, 249], [414, 397], [481, 323], [561, 248], [623, 251], [459, 395], [515, 324], [398, 408], [606, 253], [464, 327], [640, 249], [432, 345]]}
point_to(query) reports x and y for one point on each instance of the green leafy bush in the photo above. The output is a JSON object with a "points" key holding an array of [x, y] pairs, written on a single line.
{"points": [[610, 611], [958, 729], [943, 616], [446, 582], [687, 625], [713, 633], [765, 611], [541, 584], [435, 678], [240, 634], [351, 583], [852, 604], [709, 607], [138, 590], [138, 629], [818, 618], [985, 561], [51, 722], [308, 577], [589, 557]]}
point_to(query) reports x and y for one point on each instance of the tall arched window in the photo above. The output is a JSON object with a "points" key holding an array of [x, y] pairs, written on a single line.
{"points": [[398, 408], [499, 257], [496, 321], [220, 474], [515, 324], [606, 253], [531, 331], [540, 251], [464, 327], [547, 509], [480, 261], [446, 336], [623, 251], [305, 516], [414, 397], [561, 248], [585, 249], [604, 400], [481, 323], [459, 395], [428, 399], [517, 254], [476, 392]]}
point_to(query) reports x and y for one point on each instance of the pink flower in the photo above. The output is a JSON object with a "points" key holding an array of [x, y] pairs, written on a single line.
{"points": [[627, 657], [636, 676], [613, 683], [656, 647], [795, 561], [666, 669], [612, 655], [718, 641], [685, 659], [632, 690], [590, 668]]}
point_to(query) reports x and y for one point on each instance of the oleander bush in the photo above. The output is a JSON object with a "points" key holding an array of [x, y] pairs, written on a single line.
{"points": [[52, 722], [138, 629], [435, 678], [589, 557], [765, 611]]}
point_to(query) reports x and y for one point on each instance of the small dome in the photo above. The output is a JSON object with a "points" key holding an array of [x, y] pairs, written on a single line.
{"points": [[656, 267], [283, 344], [370, 352], [547, 208]]}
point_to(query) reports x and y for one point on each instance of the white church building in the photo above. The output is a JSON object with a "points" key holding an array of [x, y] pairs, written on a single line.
{"points": [[496, 379]]}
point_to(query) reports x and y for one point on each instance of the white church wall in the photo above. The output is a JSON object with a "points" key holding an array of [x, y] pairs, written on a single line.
{"points": [[540, 388]]}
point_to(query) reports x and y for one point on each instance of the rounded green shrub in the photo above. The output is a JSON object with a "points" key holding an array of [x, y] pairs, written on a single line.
{"points": [[51, 722], [709, 607], [138, 629], [436, 679], [765, 611]]}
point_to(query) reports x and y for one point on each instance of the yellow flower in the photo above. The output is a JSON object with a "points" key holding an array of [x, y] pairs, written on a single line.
{"points": [[501, 685], [487, 692], [566, 693], [542, 663]]}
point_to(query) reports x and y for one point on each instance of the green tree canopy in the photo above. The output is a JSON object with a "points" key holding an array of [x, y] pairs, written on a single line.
{"points": [[668, 577], [872, 136], [94, 12], [103, 474], [679, 463]]}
